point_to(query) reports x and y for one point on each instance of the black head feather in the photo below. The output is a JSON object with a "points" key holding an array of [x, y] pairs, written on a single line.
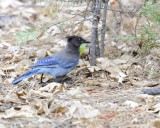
{"points": [[76, 40]]}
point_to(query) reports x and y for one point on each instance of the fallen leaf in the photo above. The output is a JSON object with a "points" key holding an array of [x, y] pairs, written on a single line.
{"points": [[113, 69], [24, 112], [130, 104], [144, 83], [53, 87], [79, 110], [2, 73], [146, 98], [108, 116]]}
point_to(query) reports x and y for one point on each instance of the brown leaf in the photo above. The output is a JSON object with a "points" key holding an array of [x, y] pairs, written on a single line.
{"points": [[145, 83], [22, 112]]}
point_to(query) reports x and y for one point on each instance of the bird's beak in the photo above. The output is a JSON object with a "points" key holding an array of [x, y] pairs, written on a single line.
{"points": [[87, 42]]}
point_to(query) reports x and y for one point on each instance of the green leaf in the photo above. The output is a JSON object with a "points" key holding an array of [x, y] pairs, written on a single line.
{"points": [[53, 11], [82, 48]]}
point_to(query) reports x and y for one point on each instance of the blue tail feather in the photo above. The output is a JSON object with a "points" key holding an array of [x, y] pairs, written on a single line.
{"points": [[25, 75]]}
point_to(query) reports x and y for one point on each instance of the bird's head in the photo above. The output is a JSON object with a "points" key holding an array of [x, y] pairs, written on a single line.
{"points": [[76, 41]]}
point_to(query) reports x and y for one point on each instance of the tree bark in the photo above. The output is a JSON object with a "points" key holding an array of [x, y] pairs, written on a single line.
{"points": [[94, 34], [103, 30]]}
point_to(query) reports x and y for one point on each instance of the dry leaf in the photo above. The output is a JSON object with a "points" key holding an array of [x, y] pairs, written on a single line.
{"points": [[145, 83], [39, 94], [155, 108], [130, 104], [2, 73], [41, 53], [22, 112], [108, 65], [53, 87], [146, 98], [93, 68], [79, 110]]}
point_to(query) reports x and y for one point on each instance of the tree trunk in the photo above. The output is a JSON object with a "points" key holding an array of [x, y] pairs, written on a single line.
{"points": [[103, 31], [94, 47]]}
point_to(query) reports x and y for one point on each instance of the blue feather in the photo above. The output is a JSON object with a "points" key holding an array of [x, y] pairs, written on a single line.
{"points": [[45, 61], [25, 75]]}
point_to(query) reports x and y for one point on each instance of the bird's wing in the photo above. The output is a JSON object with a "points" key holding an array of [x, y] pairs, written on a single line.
{"points": [[47, 61], [68, 63], [53, 61]]}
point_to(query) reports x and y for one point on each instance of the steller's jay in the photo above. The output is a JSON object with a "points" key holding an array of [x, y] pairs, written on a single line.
{"points": [[59, 64]]}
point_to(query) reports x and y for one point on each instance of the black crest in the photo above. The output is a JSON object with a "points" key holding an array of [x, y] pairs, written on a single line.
{"points": [[76, 40]]}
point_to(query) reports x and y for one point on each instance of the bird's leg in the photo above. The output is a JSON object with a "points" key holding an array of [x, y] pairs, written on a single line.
{"points": [[41, 78]]}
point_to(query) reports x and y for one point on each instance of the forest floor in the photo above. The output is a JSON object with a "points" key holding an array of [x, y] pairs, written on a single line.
{"points": [[108, 95]]}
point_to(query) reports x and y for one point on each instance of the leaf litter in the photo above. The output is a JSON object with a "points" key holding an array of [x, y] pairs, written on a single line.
{"points": [[106, 95]]}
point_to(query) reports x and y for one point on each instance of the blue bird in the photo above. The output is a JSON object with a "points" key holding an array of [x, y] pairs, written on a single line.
{"points": [[59, 64]]}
